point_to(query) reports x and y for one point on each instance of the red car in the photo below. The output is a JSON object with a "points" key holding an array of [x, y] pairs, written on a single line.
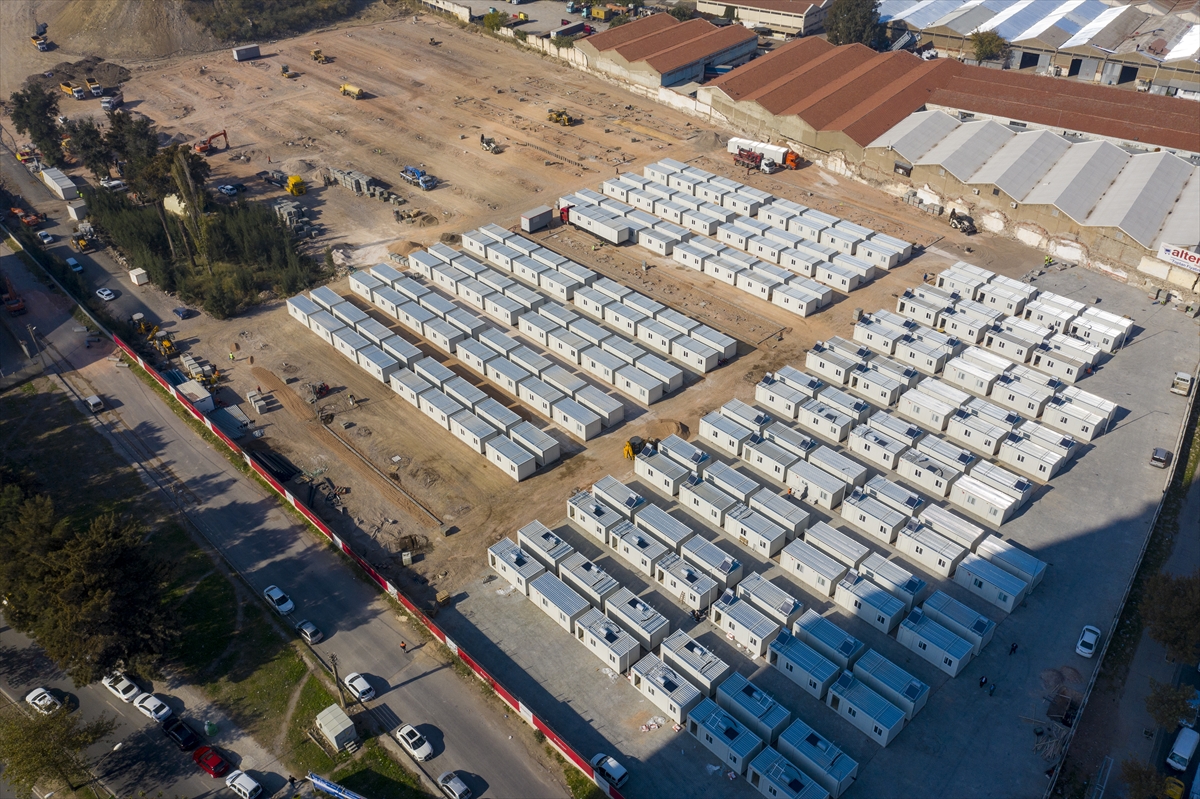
{"points": [[211, 761]]}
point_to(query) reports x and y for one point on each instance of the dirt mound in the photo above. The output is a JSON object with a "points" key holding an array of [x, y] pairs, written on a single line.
{"points": [[665, 427], [708, 140], [128, 29], [450, 239], [404, 247], [110, 75]]}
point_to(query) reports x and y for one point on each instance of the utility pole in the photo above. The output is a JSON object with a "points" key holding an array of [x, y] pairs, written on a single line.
{"points": [[333, 661]]}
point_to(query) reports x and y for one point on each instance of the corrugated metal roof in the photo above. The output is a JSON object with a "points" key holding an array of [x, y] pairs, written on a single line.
{"points": [[709, 554], [937, 635], [966, 148], [804, 656], [608, 633], [891, 675], [822, 752], [655, 671], [698, 658], [765, 594], [1093, 27], [814, 559], [741, 611], [828, 633], [1142, 195], [871, 594], [1024, 160], [783, 779], [867, 701], [990, 572], [558, 594], [724, 728], [960, 614], [756, 702]]}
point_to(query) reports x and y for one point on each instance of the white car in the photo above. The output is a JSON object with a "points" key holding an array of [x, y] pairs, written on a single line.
{"points": [[280, 601], [112, 184], [106, 295], [243, 785], [414, 742], [359, 687], [121, 687], [453, 786], [608, 768], [152, 707], [1088, 639], [44, 237], [41, 700]]}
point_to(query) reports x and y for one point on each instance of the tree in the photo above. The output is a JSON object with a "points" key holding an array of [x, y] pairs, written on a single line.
{"points": [[618, 20], [989, 45], [495, 20], [30, 532], [681, 12], [730, 13], [37, 749], [88, 143], [131, 139], [1142, 781], [1168, 705], [854, 21], [1171, 611], [33, 112]]}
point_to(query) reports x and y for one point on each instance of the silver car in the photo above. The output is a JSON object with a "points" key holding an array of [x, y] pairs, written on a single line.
{"points": [[453, 786], [414, 742]]}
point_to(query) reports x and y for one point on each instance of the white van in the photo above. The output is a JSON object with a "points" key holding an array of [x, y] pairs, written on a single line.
{"points": [[94, 403], [1184, 748], [610, 770], [243, 785]]}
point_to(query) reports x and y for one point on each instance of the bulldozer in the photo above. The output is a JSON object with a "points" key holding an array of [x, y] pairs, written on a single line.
{"points": [[207, 145], [962, 223], [488, 144], [286, 72], [164, 344], [560, 118], [295, 185], [318, 56]]}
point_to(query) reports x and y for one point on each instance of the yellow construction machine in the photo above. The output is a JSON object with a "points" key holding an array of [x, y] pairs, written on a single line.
{"points": [[139, 323], [560, 118], [286, 72], [633, 447], [318, 56], [352, 91], [164, 344], [295, 185]]}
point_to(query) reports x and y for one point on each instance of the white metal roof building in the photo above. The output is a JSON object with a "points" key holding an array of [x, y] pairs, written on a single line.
{"points": [[716, 562], [1075, 418], [875, 386], [801, 381], [960, 619], [554, 598], [815, 485], [497, 415], [723, 433], [975, 432], [790, 439], [962, 532], [754, 531], [990, 493], [871, 516], [749, 628], [932, 642], [812, 567], [437, 406], [770, 599], [893, 426], [540, 541], [1024, 398], [863, 598], [591, 581], [779, 397], [722, 734], [615, 647], [824, 420], [994, 414], [544, 447], [827, 638], [895, 579], [768, 459], [873, 715], [894, 495], [514, 565], [832, 366], [934, 553], [949, 454], [596, 518], [692, 587], [745, 415], [618, 496], [985, 579], [687, 455], [753, 707], [857, 409], [1016, 562], [836, 544], [802, 664], [875, 446], [775, 776], [665, 527], [731, 481], [926, 409], [659, 683], [781, 510], [697, 663], [660, 472], [819, 757], [705, 500], [640, 550], [892, 683], [1030, 458], [645, 623], [928, 473]]}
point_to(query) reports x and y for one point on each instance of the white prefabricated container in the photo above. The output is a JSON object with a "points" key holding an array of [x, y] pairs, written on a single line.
{"points": [[639, 385], [770, 600], [824, 420], [802, 664], [893, 578], [472, 431], [348, 343], [832, 366], [815, 485], [812, 567], [1016, 562], [577, 420], [600, 364], [377, 362], [932, 642], [955, 528], [982, 501], [779, 397], [414, 317], [610, 409], [539, 396], [974, 628], [591, 581], [687, 455], [754, 531], [474, 355], [987, 580], [876, 447], [409, 386], [1029, 457], [593, 516], [721, 432], [845, 469], [749, 628], [836, 544], [406, 354], [514, 565], [820, 758], [871, 516], [860, 597], [928, 473], [443, 335], [647, 625], [706, 501], [695, 354], [544, 448], [506, 374], [769, 459], [728, 740], [827, 638], [714, 561], [439, 407], [931, 551]]}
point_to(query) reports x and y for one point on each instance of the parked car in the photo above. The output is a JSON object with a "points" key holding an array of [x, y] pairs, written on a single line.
{"points": [[41, 700], [359, 687], [608, 768], [1183, 749], [183, 313], [112, 184], [1160, 458], [1173, 788], [180, 733], [227, 190], [1087, 641], [243, 785], [106, 295], [44, 237], [280, 601], [414, 742], [309, 632], [121, 686], [210, 761], [453, 786], [152, 707], [74, 265]]}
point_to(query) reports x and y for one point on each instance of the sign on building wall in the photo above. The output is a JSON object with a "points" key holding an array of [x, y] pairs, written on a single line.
{"points": [[1179, 256]]}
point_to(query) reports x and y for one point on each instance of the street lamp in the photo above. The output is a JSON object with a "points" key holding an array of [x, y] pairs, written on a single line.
{"points": [[33, 337]]}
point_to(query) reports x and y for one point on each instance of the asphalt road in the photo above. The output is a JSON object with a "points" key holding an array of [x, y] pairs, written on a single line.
{"points": [[266, 547]]}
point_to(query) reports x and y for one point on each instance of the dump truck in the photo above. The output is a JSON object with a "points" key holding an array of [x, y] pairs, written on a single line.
{"points": [[94, 87], [40, 43], [207, 144], [560, 117], [487, 143], [419, 177], [295, 185], [352, 91], [73, 90], [318, 56], [111, 103]]}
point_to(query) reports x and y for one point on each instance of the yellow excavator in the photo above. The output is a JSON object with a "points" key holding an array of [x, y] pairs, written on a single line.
{"points": [[140, 324], [560, 118], [633, 447], [165, 345]]}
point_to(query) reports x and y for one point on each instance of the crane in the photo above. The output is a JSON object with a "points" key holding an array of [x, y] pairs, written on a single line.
{"points": [[207, 144]]}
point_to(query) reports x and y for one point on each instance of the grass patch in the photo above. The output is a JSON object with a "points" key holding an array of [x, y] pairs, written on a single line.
{"points": [[172, 542], [303, 755], [207, 615], [579, 784], [373, 773]]}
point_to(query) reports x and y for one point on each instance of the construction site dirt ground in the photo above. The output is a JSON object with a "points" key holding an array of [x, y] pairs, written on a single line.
{"points": [[415, 487]]}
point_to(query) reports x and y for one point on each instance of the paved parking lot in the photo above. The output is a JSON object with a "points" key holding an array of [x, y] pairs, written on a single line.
{"points": [[1088, 524]]}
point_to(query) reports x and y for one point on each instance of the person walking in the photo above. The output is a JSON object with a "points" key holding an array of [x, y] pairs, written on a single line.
{"points": [[404, 647], [982, 681], [1012, 650]]}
